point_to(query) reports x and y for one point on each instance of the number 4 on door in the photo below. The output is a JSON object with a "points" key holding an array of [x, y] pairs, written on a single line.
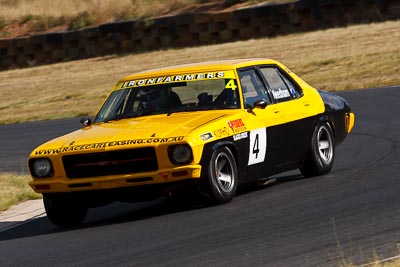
{"points": [[258, 146]]}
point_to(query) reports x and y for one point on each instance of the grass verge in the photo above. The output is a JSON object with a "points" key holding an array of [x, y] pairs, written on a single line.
{"points": [[106, 10], [27, 16], [358, 56], [14, 189], [375, 262]]}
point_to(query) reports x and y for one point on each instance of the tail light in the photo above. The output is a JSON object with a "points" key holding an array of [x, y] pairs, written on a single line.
{"points": [[349, 121]]}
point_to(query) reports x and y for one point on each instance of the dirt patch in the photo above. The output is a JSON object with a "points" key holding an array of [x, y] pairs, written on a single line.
{"points": [[26, 29]]}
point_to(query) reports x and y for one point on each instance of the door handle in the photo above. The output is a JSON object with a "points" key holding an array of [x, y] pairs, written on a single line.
{"points": [[275, 110], [306, 103]]}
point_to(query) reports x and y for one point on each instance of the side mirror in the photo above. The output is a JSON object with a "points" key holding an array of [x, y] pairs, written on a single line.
{"points": [[260, 103], [86, 121]]}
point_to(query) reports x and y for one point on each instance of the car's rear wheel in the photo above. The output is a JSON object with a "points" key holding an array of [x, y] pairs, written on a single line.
{"points": [[64, 211], [222, 176], [320, 158]]}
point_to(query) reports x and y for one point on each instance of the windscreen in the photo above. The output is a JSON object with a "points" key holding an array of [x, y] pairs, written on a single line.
{"points": [[169, 94]]}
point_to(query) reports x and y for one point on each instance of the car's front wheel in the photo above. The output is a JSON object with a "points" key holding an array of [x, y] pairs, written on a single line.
{"points": [[222, 175], [64, 211], [320, 158]]}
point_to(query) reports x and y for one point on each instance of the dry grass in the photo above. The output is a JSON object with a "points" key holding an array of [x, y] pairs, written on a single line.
{"points": [[11, 9], [335, 59], [14, 189], [100, 11], [375, 262], [14, 9]]}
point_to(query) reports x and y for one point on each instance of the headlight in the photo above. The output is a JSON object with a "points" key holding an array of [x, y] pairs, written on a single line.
{"points": [[180, 154], [41, 168]]}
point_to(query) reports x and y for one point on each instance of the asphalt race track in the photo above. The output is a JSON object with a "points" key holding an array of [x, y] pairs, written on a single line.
{"points": [[351, 214]]}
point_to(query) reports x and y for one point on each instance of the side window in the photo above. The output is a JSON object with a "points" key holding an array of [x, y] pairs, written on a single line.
{"points": [[282, 89], [252, 87], [296, 93]]}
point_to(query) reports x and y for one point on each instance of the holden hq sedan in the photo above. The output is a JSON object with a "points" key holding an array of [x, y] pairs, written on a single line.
{"points": [[206, 126]]}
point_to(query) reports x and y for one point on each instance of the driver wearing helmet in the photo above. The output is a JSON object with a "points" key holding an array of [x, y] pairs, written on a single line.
{"points": [[159, 98]]}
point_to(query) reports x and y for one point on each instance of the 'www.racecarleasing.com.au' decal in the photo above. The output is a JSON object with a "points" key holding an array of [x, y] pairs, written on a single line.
{"points": [[108, 144]]}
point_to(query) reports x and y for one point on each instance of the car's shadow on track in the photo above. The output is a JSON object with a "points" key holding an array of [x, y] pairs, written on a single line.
{"points": [[118, 213], [268, 182], [107, 215]]}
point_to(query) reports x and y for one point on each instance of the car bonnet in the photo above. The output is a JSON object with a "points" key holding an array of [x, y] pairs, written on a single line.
{"points": [[129, 133]]}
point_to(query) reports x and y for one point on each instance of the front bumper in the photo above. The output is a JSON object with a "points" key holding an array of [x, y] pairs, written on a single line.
{"points": [[164, 176]]}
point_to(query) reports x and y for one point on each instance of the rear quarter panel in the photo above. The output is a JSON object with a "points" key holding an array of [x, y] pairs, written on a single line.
{"points": [[335, 109]]}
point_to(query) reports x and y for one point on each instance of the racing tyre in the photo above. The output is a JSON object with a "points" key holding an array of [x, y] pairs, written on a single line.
{"points": [[320, 158], [64, 211], [222, 176]]}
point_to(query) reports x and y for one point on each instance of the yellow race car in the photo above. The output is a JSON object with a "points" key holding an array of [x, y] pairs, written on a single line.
{"points": [[209, 126]]}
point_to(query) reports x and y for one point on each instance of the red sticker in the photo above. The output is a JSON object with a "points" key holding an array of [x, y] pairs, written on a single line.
{"points": [[237, 126], [165, 175]]}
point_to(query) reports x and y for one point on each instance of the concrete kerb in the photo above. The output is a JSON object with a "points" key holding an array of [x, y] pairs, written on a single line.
{"points": [[21, 213]]}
